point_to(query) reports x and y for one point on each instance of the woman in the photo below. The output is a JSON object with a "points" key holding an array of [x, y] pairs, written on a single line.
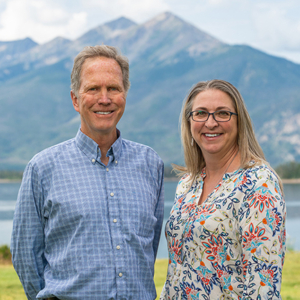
{"points": [[226, 231]]}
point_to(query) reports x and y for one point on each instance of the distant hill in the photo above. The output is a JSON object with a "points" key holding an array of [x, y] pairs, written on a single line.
{"points": [[167, 56]]}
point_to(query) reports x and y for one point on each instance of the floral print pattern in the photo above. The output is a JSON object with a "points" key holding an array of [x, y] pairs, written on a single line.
{"points": [[233, 245]]}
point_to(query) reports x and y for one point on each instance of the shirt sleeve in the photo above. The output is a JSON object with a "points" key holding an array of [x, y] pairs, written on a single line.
{"points": [[262, 227], [159, 211], [27, 242]]}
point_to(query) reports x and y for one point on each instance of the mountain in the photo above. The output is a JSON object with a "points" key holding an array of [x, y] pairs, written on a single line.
{"points": [[11, 48], [167, 56], [106, 31]]}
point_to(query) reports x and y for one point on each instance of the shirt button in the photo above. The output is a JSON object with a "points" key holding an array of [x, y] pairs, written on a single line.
{"points": [[120, 274], [107, 169], [118, 247], [115, 220], [112, 194], [93, 160], [116, 161]]}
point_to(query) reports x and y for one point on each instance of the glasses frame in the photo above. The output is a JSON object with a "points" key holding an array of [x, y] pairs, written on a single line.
{"points": [[213, 114]]}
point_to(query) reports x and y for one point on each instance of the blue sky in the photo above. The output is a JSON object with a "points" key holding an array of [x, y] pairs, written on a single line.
{"points": [[270, 26]]}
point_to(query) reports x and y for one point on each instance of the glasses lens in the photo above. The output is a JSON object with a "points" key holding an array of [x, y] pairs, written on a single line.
{"points": [[200, 115], [222, 115]]}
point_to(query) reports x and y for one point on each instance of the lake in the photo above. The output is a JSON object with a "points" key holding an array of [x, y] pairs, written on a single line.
{"points": [[9, 192]]}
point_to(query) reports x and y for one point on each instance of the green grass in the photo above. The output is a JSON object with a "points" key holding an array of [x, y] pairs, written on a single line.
{"points": [[11, 288], [290, 289], [160, 273]]}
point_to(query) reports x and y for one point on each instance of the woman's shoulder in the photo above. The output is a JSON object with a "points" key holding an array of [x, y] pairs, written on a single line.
{"points": [[261, 171], [263, 176]]}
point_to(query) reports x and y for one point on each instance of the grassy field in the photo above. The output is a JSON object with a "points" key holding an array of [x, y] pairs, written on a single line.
{"points": [[11, 289]]}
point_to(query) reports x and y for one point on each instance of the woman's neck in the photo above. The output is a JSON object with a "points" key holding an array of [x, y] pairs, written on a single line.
{"points": [[228, 162]]}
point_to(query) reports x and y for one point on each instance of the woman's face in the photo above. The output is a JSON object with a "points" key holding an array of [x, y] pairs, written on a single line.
{"points": [[211, 136]]}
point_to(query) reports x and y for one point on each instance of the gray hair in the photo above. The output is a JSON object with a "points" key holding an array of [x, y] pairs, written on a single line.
{"points": [[249, 147], [98, 51]]}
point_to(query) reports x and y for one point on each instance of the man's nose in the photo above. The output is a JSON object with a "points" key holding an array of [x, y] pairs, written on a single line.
{"points": [[103, 97]]}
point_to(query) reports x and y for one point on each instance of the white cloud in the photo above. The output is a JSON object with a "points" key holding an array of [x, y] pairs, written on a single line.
{"points": [[276, 26], [39, 20]]}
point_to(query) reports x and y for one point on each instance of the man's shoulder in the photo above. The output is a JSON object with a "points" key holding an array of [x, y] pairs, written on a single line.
{"points": [[140, 149], [51, 153]]}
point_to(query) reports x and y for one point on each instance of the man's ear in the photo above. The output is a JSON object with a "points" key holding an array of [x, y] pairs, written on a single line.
{"points": [[75, 101]]}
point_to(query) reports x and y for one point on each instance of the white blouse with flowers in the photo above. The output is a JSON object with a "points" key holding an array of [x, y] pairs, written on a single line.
{"points": [[233, 245]]}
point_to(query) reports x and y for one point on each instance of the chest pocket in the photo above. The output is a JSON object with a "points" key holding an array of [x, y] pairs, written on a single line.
{"points": [[140, 210]]}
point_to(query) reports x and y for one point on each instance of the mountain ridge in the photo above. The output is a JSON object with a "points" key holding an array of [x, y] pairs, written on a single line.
{"points": [[167, 56]]}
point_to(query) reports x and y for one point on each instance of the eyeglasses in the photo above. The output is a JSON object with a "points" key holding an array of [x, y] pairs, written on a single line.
{"points": [[219, 115]]}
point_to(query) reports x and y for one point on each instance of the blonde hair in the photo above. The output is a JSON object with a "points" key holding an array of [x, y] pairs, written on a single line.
{"points": [[249, 147]]}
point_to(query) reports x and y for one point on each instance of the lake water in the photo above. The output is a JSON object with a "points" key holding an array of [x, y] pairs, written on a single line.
{"points": [[9, 192]]}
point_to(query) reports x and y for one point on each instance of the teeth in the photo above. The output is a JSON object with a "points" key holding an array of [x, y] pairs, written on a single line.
{"points": [[103, 112], [212, 135]]}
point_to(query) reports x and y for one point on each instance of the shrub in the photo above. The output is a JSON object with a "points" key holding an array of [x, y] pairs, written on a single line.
{"points": [[5, 254]]}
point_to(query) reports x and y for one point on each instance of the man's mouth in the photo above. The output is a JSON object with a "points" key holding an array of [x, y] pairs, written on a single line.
{"points": [[103, 112]]}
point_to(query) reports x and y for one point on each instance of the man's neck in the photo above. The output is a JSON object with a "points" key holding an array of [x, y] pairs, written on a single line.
{"points": [[105, 142]]}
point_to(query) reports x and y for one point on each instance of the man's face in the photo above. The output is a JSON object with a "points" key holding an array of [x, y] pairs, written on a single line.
{"points": [[101, 98]]}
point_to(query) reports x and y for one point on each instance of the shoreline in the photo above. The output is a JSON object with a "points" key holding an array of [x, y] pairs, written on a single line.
{"points": [[10, 180], [291, 181], [171, 179]]}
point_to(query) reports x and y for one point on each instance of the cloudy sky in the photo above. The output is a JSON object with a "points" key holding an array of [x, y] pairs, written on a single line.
{"points": [[272, 26]]}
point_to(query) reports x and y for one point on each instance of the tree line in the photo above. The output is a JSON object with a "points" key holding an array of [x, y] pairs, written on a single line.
{"points": [[289, 170], [10, 174]]}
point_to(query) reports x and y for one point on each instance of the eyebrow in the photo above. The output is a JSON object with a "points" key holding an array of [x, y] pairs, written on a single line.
{"points": [[218, 108]]}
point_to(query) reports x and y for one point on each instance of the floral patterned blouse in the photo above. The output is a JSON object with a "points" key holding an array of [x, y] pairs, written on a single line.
{"points": [[230, 247]]}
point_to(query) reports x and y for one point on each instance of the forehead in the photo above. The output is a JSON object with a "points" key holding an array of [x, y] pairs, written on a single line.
{"points": [[101, 66], [213, 99]]}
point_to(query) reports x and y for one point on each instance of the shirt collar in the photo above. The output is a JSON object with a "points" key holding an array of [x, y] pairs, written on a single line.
{"points": [[90, 148]]}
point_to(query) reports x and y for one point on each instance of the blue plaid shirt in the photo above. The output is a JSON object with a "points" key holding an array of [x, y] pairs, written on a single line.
{"points": [[83, 230]]}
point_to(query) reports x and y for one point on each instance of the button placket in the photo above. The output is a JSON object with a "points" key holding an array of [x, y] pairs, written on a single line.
{"points": [[115, 217]]}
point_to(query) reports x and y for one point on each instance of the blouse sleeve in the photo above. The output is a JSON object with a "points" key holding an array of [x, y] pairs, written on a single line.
{"points": [[262, 229]]}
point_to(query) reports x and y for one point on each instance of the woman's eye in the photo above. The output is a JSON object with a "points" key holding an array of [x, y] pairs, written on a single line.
{"points": [[201, 113], [223, 113]]}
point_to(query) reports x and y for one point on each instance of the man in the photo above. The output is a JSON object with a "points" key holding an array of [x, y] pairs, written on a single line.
{"points": [[89, 212]]}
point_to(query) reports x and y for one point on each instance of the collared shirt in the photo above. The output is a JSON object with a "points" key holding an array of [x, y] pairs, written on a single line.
{"points": [[83, 230], [232, 246]]}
